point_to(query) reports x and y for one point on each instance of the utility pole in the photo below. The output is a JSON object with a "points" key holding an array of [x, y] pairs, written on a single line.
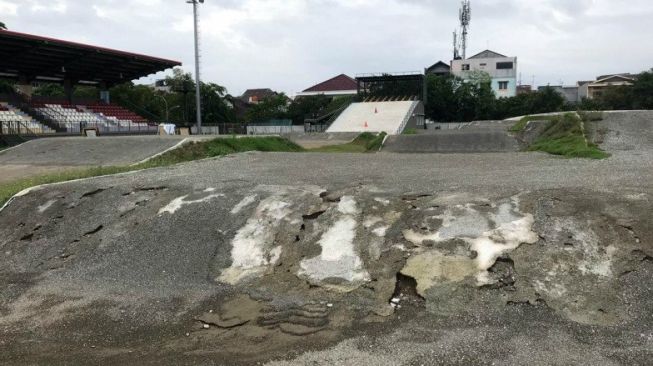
{"points": [[166, 104], [198, 99], [465, 19]]}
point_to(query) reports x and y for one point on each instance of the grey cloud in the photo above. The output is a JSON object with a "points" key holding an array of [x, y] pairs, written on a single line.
{"points": [[554, 39]]}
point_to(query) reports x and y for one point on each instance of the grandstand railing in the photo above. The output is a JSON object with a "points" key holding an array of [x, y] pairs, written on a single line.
{"points": [[408, 116], [18, 128], [41, 117], [322, 123], [102, 128]]}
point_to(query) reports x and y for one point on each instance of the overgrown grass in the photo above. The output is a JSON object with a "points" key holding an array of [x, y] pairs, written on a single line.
{"points": [[521, 124], [8, 190], [565, 136], [223, 146], [189, 152], [410, 131]]}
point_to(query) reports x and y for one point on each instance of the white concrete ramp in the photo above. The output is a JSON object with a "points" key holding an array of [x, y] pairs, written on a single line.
{"points": [[377, 117]]}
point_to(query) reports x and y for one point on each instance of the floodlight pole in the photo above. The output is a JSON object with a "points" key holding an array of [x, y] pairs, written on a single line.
{"points": [[198, 99], [166, 104]]}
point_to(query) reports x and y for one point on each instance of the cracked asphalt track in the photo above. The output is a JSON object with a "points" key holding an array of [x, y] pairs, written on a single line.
{"points": [[135, 296]]}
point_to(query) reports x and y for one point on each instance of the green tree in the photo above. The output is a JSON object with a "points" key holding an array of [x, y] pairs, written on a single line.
{"points": [[7, 86], [274, 107], [642, 91], [308, 107], [180, 101], [617, 98], [485, 99], [49, 90], [441, 103], [3, 26], [546, 100], [215, 108]]}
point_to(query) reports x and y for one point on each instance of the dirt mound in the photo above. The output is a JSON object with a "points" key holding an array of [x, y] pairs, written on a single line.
{"points": [[268, 268]]}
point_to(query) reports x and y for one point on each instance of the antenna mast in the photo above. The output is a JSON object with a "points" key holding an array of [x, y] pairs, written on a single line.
{"points": [[465, 19], [456, 53]]}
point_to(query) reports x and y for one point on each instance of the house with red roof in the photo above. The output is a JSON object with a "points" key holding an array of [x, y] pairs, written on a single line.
{"points": [[337, 86]]}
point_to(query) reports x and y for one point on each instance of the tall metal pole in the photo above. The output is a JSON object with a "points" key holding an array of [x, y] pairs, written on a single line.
{"points": [[198, 99], [166, 104]]}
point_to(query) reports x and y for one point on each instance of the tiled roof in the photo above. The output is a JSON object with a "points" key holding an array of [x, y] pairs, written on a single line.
{"points": [[257, 94], [338, 83], [488, 54]]}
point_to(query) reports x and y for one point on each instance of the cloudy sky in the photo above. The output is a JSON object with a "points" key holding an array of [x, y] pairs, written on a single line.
{"points": [[289, 45]]}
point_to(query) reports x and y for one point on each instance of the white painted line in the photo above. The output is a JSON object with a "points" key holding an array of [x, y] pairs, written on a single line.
{"points": [[13, 147], [178, 145]]}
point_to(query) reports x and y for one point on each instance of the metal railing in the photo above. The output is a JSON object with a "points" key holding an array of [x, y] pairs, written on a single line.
{"points": [[322, 123], [104, 128], [409, 115], [18, 128]]}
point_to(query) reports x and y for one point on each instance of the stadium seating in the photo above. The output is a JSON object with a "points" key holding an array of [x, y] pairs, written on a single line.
{"points": [[15, 121], [104, 117], [117, 112]]}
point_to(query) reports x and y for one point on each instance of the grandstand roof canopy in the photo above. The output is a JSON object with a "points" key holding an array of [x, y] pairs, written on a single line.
{"points": [[41, 58]]}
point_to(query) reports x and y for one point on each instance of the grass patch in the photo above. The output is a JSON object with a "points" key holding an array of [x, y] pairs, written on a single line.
{"points": [[188, 152], [565, 136], [410, 131], [365, 142], [521, 124], [223, 146], [8, 190]]}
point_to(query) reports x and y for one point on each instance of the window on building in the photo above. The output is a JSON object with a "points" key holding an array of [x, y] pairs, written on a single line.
{"points": [[483, 64], [465, 67], [505, 65], [503, 85]]}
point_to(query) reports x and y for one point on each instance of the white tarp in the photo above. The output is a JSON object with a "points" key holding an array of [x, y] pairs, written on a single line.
{"points": [[168, 128]]}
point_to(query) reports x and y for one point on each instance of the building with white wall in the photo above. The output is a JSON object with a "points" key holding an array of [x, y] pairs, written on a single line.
{"points": [[502, 69]]}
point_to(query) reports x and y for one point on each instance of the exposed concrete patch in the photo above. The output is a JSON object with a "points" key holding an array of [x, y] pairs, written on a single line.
{"points": [[179, 202], [244, 203], [45, 206], [488, 235], [434, 267], [338, 259], [253, 246]]}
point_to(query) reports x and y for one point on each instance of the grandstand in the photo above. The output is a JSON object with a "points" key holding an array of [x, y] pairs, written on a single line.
{"points": [[14, 121], [28, 58], [390, 103], [106, 118]]}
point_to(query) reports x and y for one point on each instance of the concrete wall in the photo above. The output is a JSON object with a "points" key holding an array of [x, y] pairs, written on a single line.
{"points": [[452, 141], [273, 130], [206, 130]]}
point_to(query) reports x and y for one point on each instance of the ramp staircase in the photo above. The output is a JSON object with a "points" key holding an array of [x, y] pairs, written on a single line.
{"points": [[390, 117]]}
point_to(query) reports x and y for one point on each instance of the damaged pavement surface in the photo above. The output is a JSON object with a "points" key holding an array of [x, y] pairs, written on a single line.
{"points": [[304, 259]]}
